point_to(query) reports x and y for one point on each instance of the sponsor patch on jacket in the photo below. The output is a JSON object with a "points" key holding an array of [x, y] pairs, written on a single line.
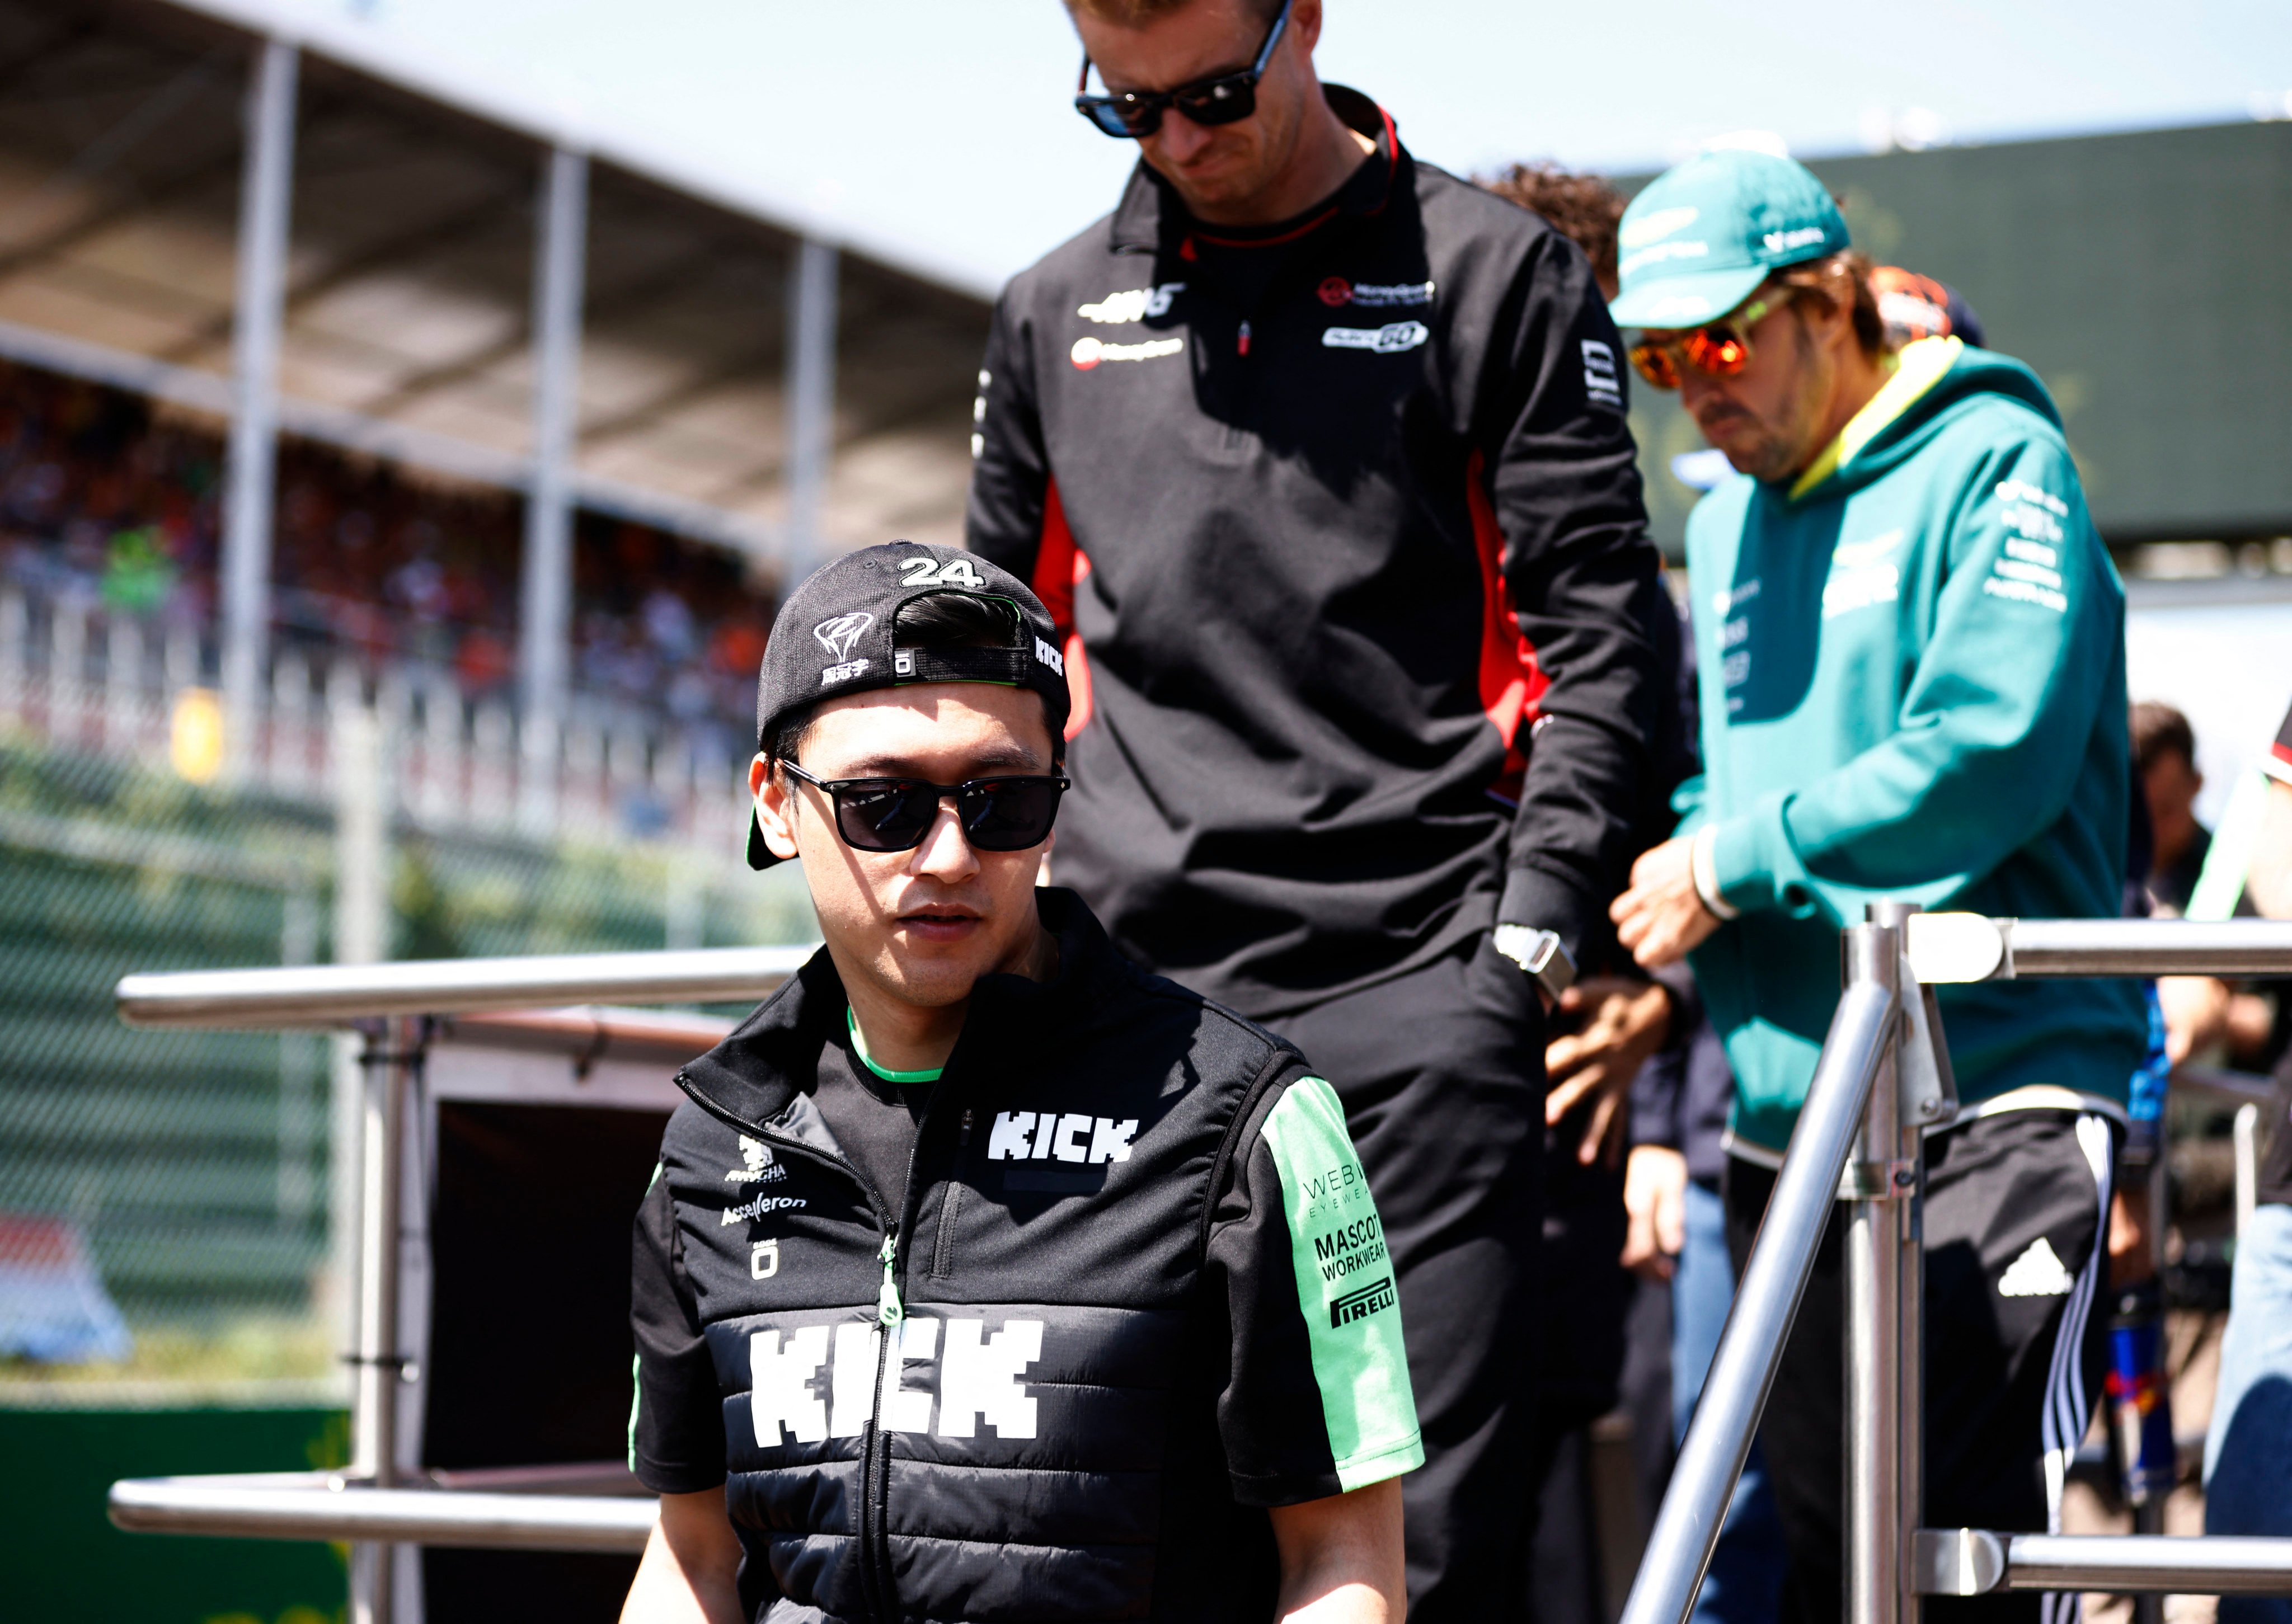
{"points": [[1132, 304], [1863, 574], [1089, 352], [1360, 1304], [1335, 291], [1601, 381], [758, 1208], [1350, 1247], [1391, 339], [2028, 569], [758, 1165]]}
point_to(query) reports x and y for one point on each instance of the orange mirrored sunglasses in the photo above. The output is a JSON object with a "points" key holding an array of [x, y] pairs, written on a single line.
{"points": [[1721, 351]]}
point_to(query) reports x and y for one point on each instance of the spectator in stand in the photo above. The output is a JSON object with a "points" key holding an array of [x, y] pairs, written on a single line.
{"points": [[1912, 674], [103, 501], [2248, 1487]]}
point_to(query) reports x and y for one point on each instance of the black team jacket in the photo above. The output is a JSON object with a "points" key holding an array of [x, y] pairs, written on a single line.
{"points": [[1343, 520], [1137, 1294]]}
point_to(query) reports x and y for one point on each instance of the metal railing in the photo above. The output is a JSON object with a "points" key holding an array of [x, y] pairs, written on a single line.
{"points": [[397, 1008], [1883, 1080]]}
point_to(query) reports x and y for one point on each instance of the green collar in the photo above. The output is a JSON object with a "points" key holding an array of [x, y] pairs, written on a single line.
{"points": [[859, 1048], [1915, 368]]}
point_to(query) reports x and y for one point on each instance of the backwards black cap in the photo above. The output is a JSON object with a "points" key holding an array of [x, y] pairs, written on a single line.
{"points": [[839, 633]]}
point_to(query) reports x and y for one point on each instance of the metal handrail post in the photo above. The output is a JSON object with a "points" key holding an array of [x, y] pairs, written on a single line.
{"points": [[387, 1066], [1743, 1368], [1876, 1187]]}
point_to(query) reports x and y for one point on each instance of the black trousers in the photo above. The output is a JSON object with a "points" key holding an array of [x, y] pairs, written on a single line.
{"points": [[1441, 1072], [2016, 1215]]}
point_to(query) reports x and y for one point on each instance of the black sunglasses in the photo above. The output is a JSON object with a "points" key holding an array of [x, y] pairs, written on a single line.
{"points": [[895, 813], [1224, 98]]}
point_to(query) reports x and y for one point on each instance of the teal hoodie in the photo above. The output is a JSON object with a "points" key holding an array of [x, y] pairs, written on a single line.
{"points": [[1912, 671]]}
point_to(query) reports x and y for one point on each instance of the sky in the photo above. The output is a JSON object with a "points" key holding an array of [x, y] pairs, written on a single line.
{"points": [[938, 132]]}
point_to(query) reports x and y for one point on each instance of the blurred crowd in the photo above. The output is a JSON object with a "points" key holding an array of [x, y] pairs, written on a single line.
{"points": [[105, 499]]}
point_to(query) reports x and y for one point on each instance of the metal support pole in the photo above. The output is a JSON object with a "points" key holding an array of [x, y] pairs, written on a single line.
{"points": [[545, 610], [266, 199], [810, 399], [1743, 1370], [1878, 1186], [389, 1063], [1910, 1388]]}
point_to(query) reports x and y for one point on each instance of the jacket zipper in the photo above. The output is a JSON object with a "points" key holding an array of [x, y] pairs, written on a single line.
{"points": [[891, 1313]]}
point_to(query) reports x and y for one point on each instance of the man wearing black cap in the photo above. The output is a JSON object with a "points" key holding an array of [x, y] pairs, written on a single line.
{"points": [[1319, 456], [985, 1276]]}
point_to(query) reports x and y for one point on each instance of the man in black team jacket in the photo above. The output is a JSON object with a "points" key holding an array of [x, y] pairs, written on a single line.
{"points": [[1319, 456], [986, 1276]]}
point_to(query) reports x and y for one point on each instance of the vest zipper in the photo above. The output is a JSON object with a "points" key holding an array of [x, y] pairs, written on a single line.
{"points": [[1241, 344], [890, 1314], [875, 1474]]}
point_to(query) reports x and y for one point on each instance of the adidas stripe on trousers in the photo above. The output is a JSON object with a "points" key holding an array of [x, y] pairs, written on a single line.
{"points": [[2016, 1325]]}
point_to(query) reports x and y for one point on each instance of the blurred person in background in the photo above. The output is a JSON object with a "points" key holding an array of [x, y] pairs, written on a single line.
{"points": [[1911, 648], [1319, 457], [2239, 1020], [1915, 306], [2165, 760], [2247, 1480], [1605, 1025]]}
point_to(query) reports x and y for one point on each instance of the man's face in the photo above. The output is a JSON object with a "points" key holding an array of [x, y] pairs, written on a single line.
{"points": [[922, 925], [1215, 169], [1769, 418], [2171, 782]]}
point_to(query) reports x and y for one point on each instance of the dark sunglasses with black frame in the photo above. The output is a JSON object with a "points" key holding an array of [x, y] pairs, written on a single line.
{"points": [[1222, 97], [1004, 814]]}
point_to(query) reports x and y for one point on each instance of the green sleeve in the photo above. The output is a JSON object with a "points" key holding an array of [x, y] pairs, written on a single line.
{"points": [[1688, 801], [1316, 1400], [1992, 728]]}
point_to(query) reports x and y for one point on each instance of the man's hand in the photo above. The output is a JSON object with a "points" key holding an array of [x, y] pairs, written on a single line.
{"points": [[1655, 1204], [2131, 1259], [2196, 1014], [690, 1570], [1661, 918], [1624, 1022], [1341, 1559]]}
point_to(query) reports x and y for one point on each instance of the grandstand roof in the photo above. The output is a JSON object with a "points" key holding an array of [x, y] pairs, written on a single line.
{"points": [[408, 293]]}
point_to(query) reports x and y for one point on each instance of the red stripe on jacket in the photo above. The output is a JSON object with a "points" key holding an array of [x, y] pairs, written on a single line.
{"points": [[1512, 683], [1060, 567]]}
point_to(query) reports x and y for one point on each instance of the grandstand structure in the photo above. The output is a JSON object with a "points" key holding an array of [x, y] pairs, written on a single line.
{"points": [[332, 383]]}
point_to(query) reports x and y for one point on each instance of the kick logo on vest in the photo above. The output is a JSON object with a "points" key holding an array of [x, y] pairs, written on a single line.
{"points": [[1030, 1136], [980, 1380]]}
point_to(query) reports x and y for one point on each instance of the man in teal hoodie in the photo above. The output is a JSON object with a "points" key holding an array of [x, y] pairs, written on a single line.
{"points": [[1909, 644]]}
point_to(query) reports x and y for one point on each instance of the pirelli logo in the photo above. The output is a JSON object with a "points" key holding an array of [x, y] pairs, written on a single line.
{"points": [[1360, 1304]]}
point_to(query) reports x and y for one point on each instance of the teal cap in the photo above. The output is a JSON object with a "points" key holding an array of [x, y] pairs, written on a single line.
{"points": [[1700, 238]]}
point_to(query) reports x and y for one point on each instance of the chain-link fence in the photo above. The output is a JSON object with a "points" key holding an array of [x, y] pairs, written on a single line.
{"points": [[192, 1170]]}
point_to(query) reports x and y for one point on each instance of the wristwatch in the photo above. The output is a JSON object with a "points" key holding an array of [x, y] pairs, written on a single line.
{"points": [[1541, 953]]}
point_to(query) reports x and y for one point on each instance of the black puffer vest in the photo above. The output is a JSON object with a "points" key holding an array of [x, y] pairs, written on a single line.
{"points": [[999, 1404]]}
